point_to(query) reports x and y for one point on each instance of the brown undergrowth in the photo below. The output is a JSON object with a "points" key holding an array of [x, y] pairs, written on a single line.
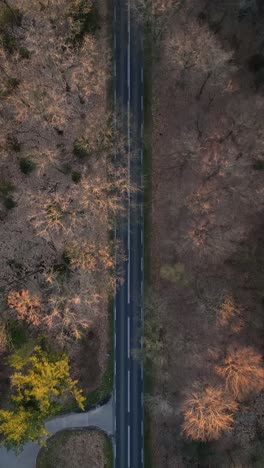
{"points": [[207, 237]]}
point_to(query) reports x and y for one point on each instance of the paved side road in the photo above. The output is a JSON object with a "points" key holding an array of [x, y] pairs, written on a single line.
{"points": [[101, 418]]}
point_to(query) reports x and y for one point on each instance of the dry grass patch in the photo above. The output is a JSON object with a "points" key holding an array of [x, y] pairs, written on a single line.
{"points": [[75, 449]]}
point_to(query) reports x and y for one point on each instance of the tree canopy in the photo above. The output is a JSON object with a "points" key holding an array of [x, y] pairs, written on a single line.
{"points": [[40, 383]]}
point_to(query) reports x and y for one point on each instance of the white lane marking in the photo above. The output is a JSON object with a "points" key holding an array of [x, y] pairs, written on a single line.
{"points": [[115, 13], [141, 264], [128, 391], [128, 338], [142, 399], [141, 209], [128, 54], [141, 161], [141, 287], [142, 75], [141, 236], [142, 456], [141, 314], [115, 367], [128, 446], [128, 155], [115, 340], [115, 42], [142, 103], [142, 429]]}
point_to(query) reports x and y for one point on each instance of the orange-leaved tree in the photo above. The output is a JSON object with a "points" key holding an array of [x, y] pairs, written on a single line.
{"points": [[26, 305], [243, 371], [207, 412]]}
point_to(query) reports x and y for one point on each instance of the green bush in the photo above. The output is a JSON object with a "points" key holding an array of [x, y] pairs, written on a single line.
{"points": [[3, 93], [174, 273], [5, 189], [9, 17], [258, 165], [13, 83], [26, 165], [86, 20], [16, 333], [24, 53], [9, 42], [257, 455], [61, 272], [66, 257], [76, 177], [14, 144], [9, 203], [54, 212], [197, 452], [80, 149]]}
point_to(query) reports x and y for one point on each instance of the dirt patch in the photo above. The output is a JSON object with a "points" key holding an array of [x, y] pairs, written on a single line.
{"points": [[207, 233], [78, 449]]}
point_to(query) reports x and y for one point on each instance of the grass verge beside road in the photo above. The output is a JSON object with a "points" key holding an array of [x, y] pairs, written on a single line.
{"points": [[147, 219], [105, 388]]}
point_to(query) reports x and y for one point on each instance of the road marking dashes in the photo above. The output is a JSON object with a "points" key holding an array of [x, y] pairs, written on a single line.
{"points": [[128, 446], [128, 338], [128, 391]]}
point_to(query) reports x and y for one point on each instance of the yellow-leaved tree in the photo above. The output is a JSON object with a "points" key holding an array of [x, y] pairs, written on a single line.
{"points": [[40, 384]]}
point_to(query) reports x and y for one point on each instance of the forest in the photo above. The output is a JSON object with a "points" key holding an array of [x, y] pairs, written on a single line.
{"points": [[204, 306], [59, 194]]}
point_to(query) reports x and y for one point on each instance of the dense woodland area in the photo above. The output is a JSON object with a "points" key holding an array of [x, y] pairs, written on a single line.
{"points": [[59, 194], [204, 313]]}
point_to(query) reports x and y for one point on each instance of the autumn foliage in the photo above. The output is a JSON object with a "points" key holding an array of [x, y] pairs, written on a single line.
{"points": [[26, 305], [230, 315], [243, 371], [207, 413], [39, 383]]}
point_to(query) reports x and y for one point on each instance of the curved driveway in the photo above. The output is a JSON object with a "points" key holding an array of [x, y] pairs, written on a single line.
{"points": [[100, 418]]}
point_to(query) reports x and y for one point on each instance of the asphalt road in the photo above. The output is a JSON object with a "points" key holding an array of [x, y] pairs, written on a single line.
{"points": [[128, 310]]}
